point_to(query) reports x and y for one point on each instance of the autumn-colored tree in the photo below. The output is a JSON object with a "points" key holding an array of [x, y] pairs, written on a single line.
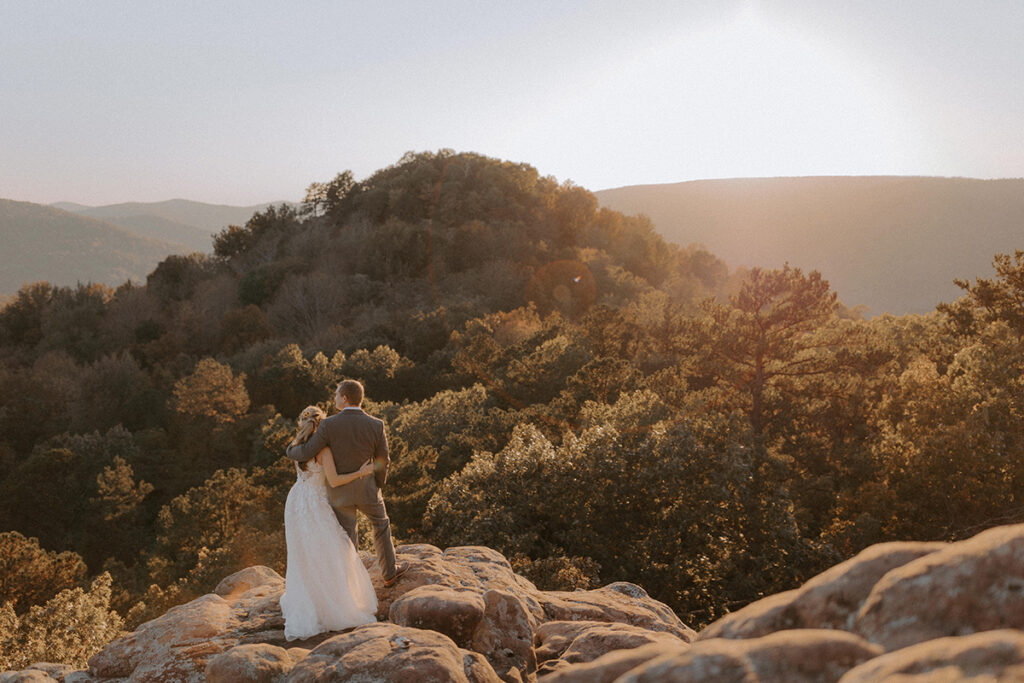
{"points": [[211, 391], [30, 575], [208, 517], [116, 516], [68, 629], [988, 300]]}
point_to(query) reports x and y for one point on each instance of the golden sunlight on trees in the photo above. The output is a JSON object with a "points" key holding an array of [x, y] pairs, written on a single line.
{"points": [[68, 629], [29, 575], [212, 391], [989, 300], [768, 337], [558, 382]]}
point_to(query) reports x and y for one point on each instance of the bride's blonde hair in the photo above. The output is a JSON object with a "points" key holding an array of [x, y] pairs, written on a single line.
{"points": [[309, 420]]}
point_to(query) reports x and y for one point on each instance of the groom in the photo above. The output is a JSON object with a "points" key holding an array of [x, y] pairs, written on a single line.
{"points": [[354, 437]]}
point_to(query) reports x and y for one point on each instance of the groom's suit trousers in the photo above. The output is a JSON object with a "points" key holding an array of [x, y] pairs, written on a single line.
{"points": [[382, 543]]}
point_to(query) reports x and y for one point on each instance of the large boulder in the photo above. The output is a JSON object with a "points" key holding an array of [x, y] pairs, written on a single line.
{"points": [[991, 656], [472, 568], [250, 664], [468, 595], [610, 666], [41, 671], [799, 656], [387, 652], [494, 623], [181, 640], [455, 612], [829, 600], [505, 636], [180, 644], [617, 602], [471, 595], [26, 676], [561, 645], [969, 586], [243, 581]]}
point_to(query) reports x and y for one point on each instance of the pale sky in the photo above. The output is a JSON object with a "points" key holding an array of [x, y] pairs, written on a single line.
{"points": [[246, 102]]}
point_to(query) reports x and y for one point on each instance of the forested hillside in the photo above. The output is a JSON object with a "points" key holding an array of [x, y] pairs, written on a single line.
{"points": [[559, 383], [43, 243], [892, 244], [174, 220]]}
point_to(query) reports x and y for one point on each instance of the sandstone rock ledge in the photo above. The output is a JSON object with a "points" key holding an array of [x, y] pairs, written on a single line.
{"points": [[458, 615], [907, 611]]}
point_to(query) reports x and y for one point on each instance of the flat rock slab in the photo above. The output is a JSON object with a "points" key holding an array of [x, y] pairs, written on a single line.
{"points": [[249, 664], [398, 654], [561, 645], [991, 656], [798, 656], [609, 667], [829, 600], [969, 586]]}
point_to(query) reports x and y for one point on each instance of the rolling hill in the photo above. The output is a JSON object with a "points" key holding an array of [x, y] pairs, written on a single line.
{"points": [[892, 243], [174, 220], [45, 243]]}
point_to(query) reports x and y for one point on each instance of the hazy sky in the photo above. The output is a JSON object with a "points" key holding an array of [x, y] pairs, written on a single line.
{"points": [[244, 102]]}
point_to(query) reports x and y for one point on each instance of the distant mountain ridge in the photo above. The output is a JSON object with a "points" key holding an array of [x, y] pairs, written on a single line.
{"points": [[893, 243], [40, 243], [174, 220]]}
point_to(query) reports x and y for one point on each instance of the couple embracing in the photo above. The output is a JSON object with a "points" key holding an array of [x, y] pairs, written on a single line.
{"points": [[341, 466]]}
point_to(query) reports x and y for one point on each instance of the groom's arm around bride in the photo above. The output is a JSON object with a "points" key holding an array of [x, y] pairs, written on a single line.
{"points": [[355, 437]]}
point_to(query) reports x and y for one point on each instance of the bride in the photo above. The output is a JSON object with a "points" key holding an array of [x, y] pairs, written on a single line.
{"points": [[327, 588]]}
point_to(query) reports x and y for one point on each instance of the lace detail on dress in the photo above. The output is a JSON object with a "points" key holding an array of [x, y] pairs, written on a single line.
{"points": [[312, 467]]}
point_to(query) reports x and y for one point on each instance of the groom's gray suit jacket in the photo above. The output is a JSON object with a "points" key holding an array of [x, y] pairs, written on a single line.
{"points": [[353, 437]]}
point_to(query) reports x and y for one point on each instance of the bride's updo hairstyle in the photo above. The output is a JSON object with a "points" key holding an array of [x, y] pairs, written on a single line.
{"points": [[309, 420]]}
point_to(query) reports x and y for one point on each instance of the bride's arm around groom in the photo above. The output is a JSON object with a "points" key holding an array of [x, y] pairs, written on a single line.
{"points": [[354, 439]]}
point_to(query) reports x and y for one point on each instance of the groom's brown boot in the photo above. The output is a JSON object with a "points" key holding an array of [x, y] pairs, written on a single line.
{"points": [[399, 570]]}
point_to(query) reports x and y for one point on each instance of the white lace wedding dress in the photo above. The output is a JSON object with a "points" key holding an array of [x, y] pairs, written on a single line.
{"points": [[327, 588]]}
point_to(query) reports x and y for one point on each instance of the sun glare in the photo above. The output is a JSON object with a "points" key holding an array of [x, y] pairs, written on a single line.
{"points": [[753, 96]]}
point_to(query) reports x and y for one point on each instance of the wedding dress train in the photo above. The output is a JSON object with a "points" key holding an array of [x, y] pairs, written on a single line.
{"points": [[327, 588]]}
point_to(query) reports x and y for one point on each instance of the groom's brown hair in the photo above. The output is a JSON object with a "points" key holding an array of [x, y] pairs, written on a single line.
{"points": [[352, 390]]}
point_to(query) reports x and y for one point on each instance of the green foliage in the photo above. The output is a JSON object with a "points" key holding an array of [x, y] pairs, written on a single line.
{"points": [[259, 285], [558, 382], [30, 575], [431, 439], [177, 278], [258, 240], [68, 629], [991, 300], [678, 510], [209, 517], [73, 321], [328, 198], [767, 337], [47, 494], [21, 320], [211, 391], [290, 382], [243, 327], [558, 573], [115, 390], [382, 368]]}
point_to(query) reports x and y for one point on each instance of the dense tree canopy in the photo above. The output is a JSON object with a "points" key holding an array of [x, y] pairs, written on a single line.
{"points": [[558, 382]]}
